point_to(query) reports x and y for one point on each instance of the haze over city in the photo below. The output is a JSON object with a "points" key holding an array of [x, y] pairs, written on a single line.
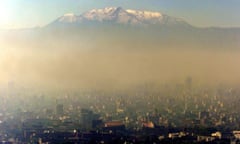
{"points": [[42, 56]]}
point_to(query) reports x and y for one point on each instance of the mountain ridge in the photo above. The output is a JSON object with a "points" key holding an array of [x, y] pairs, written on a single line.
{"points": [[118, 15], [114, 24]]}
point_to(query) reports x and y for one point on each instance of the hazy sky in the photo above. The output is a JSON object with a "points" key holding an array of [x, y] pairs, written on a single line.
{"points": [[31, 13]]}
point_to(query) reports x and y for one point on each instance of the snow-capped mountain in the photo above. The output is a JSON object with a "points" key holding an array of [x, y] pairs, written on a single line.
{"points": [[119, 15]]}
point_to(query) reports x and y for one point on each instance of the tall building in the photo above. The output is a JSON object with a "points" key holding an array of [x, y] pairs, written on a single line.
{"points": [[59, 109], [188, 83], [87, 118]]}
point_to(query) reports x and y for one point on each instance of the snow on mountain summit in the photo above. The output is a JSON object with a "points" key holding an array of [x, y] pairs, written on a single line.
{"points": [[120, 16], [144, 14], [108, 13], [68, 18]]}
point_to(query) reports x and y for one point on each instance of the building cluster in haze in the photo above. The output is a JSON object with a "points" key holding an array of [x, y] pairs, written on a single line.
{"points": [[149, 113]]}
